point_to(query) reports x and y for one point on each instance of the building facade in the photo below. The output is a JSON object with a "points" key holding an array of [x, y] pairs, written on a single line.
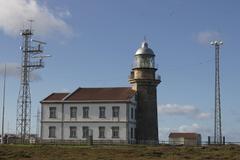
{"points": [[108, 114], [187, 139], [122, 114]]}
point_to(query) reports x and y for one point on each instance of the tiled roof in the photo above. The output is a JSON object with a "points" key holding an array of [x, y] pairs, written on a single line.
{"points": [[94, 94], [184, 135], [55, 97], [88, 94]]}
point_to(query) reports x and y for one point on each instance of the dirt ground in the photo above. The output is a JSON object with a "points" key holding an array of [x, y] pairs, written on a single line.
{"points": [[113, 152]]}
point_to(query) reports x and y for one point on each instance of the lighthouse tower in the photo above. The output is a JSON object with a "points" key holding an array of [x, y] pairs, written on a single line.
{"points": [[144, 80]]}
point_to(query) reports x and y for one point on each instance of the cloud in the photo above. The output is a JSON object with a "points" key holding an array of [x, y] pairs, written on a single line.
{"points": [[189, 128], [63, 13], [14, 70], [204, 131], [195, 128], [203, 115], [15, 13], [163, 133], [182, 110], [206, 36]]}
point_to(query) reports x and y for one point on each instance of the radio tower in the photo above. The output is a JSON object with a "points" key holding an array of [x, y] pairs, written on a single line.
{"points": [[29, 52], [217, 114]]}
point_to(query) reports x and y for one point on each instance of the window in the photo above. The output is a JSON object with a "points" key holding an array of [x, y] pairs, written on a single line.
{"points": [[132, 133], [85, 112], [52, 132], [101, 112], [115, 132], [135, 132], [131, 113], [73, 112], [115, 112], [101, 132], [52, 112], [135, 113], [85, 131], [73, 132]]}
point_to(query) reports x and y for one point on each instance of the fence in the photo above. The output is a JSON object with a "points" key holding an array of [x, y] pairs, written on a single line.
{"points": [[15, 140]]}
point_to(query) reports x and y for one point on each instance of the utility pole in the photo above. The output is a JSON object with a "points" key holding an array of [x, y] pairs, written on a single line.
{"points": [[217, 113], [3, 105], [29, 52]]}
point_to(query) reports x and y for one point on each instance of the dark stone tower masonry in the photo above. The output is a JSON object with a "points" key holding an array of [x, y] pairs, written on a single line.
{"points": [[144, 80]]}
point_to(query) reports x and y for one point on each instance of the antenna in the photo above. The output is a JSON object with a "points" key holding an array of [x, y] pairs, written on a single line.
{"points": [[39, 42], [29, 52], [3, 110], [217, 113], [145, 39], [31, 22]]}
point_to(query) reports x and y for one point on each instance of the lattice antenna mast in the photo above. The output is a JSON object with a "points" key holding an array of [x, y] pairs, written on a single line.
{"points": [[29, 53], [217, 113]]}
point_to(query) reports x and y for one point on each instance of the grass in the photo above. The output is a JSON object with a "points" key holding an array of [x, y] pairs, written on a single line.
{"points": [[121, 152]]}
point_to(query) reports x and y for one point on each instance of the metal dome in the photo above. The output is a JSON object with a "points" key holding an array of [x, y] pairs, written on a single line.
{"points": [[144, 50]]}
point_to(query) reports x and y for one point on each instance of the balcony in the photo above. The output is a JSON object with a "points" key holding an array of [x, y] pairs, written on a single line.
{"points": [[131, 76], [158, 77]]}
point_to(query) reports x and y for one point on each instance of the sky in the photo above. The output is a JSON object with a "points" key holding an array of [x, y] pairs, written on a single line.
{"points": [[93, 43]]}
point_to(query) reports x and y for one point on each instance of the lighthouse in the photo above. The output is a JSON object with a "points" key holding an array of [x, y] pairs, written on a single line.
{"points": [[145, 81]]}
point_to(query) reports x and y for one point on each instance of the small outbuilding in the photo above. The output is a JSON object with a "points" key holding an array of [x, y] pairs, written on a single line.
{"points": [[183, 138]]}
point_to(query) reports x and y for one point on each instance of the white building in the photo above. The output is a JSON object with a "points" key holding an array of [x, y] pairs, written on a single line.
{"points": [[107, 113], [184, 138]]}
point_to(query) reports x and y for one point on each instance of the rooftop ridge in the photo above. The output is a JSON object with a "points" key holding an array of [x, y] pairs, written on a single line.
{"points": [[70, 94], [93, 94], [63, 94]]}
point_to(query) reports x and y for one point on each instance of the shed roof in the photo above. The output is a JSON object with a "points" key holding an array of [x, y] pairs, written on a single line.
{"points": [[184, 135]]}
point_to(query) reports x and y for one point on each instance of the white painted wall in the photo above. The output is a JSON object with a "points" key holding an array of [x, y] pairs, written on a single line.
{"points": [[94, 112], [131, 120], [45, 112], [131, 125], [185, 141], [176, 141], [133, 106], [124, 122], [45, 130], [94, 127]]}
